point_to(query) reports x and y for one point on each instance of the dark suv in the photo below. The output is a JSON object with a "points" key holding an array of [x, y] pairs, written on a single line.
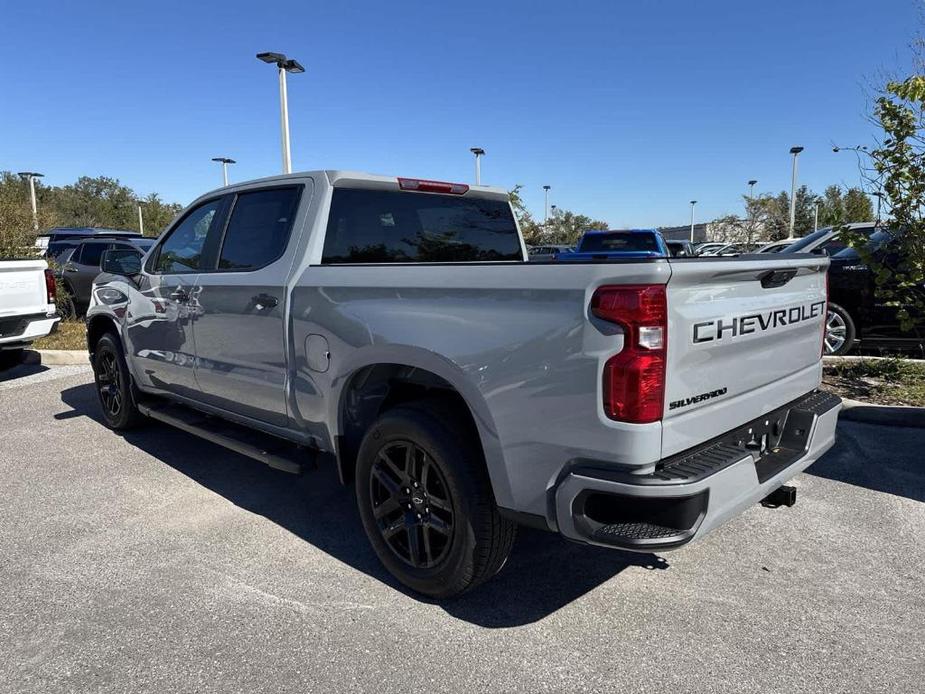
{"points": [[856, 315], [79, 266]]}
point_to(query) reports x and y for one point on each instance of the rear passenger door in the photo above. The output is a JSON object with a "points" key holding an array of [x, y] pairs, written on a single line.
{"points": [[240, 329], [83, 267]]}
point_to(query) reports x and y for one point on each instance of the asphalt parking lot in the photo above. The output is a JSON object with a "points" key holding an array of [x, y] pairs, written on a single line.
{"points": [[159, 562]]}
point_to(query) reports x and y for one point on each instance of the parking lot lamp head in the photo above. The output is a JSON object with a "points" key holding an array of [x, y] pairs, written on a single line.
{"points": [[284, 64], [478, 152], [224, 161]]}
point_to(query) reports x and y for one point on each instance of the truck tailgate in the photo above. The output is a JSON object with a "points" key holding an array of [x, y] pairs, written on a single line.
{"points": [[744, 337], [22, 287]]}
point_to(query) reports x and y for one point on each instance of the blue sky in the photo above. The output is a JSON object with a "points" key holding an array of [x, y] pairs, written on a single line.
{"points": [[627, 109]]}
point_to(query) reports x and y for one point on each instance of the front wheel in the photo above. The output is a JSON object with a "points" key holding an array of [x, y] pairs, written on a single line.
{"points": [[426, 501], [840, 333], [114, 384]]}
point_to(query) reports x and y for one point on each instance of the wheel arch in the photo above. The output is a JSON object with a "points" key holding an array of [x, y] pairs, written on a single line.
{"points": [[97, 326], [370, 388]]}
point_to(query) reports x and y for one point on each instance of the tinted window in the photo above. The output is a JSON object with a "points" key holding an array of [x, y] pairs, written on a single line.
{"points": [[594, 243], [877, 240], [92, 253], [143, 245], [377, 226], [56, 248], [182, 250], [258, 229]]}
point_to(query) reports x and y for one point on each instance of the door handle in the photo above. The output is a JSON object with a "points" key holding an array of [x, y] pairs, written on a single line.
{"points": [[264, 301], [179, 295]]}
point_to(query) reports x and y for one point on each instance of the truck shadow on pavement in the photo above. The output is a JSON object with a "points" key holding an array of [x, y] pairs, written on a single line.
{"points": [[544, 573], [878, 457]]}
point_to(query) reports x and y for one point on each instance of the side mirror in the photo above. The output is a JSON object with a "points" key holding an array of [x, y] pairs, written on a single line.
{"points": [[119, 261], [820, 251]]}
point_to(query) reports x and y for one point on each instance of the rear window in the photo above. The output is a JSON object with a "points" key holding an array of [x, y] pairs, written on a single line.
{"points": [[381, 226], [608, 243], [259, 228]]}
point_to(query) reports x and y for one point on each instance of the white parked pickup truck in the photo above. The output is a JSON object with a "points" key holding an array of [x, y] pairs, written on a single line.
{"points": [[27, 306]]}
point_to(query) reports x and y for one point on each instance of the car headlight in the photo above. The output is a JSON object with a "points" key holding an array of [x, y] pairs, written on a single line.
{"points": [[110, 296]]}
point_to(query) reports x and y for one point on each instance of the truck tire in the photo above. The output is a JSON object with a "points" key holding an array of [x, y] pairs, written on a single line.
{"points": [[114, 387], [840, 332], [426, 501]]}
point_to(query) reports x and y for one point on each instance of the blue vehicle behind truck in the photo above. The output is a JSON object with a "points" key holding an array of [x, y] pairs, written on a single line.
{"points": [[597, 245]]}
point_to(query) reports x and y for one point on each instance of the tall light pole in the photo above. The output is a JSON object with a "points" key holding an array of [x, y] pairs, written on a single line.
{"points": [[816, 214], [795, 151], [751, 188], [141, 220], [31, 176], [879, 197], [224, 161], [693, 204], [479, 153], [546, 207], [284, 65]]}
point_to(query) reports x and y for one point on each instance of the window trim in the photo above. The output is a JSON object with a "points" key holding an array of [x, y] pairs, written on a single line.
{"points": [[215, 259], [156, 250]]}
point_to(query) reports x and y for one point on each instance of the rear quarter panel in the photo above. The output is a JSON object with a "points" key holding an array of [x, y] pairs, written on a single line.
{"points": [[514, 339]]}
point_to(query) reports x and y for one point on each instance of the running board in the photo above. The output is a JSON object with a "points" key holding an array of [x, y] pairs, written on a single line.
{"points": [[269, 450]]}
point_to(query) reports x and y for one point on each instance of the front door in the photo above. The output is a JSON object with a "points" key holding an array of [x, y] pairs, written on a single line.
{"points": [[241, 363], [159, 318]]}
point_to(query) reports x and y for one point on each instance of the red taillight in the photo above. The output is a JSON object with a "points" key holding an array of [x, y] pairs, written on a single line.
{"points": [[634, 379], [51, 289], [423, 186]]}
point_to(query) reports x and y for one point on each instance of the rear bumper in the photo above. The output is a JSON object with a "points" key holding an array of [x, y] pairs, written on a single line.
{"points": [[19, 331], [693, 492]]}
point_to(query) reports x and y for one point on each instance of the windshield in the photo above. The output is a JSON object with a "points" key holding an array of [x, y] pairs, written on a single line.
{"points": [[876, 240], [618, 242], [798, 245]]}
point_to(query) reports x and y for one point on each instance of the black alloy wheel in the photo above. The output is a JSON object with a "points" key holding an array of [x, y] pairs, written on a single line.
{"points": [[109, 384], [411, 504]]}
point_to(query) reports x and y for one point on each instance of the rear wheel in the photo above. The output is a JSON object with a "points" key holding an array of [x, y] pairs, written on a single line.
{"points": [[840, 332], [426, 501], [114, 386]]}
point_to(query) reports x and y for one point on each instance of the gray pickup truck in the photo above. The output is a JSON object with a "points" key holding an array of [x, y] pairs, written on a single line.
{"points": [[394, 327]]}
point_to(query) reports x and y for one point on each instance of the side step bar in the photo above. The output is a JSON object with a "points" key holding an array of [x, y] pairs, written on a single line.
{"points": [[269, 450]]}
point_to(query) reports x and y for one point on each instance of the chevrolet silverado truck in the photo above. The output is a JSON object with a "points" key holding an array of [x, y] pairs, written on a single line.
{"points": [[27, 307], [394, 328]]}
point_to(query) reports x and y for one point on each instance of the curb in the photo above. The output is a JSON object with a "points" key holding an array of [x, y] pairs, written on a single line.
{"points": [[890, 415], [831, 361], [55, 357]]}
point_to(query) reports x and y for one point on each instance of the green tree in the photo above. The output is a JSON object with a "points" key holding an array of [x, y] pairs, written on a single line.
{"points": [[898, 174], [858, 207], [566, 227], [17, 237]]}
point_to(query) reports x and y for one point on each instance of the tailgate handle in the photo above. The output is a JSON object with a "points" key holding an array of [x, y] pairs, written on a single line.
{"points": [[777, 278]]}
